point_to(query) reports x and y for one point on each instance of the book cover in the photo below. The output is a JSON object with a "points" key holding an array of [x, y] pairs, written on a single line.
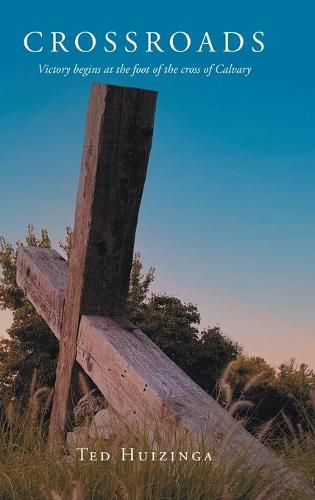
{"points": [[156, 252]]}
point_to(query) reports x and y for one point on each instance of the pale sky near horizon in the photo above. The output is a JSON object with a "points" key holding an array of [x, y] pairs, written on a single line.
{"points": [[228, 210]]}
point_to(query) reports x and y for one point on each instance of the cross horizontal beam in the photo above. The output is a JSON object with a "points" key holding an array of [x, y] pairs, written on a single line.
{"points": [[139, 381]]}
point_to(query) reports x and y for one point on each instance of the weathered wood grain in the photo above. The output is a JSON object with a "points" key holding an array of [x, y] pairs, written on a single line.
{"points": [[113, 169], [115, 179], [48, 275], [140, 382]]}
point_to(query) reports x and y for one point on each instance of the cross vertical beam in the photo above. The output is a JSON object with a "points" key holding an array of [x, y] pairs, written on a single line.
{"points": [[117, 145]]}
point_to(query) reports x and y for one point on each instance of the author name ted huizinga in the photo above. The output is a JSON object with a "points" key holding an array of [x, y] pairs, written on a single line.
{"points": [[133, 455]]}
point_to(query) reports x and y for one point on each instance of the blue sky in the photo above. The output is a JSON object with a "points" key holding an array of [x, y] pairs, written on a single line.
{"points": [[227, 216]]}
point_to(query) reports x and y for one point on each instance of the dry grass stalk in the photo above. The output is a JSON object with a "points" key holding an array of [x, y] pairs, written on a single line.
{"points": [[240, 405], [122, 492], [49, 400], [50, 495], [34, 401], [227, 391], [226, 495], [268, 494], [288, 423], [224, 444], [255, 380], [264, 430], [41, 391], [77, 492], [10, 413], [33, 383], [227, 371]]}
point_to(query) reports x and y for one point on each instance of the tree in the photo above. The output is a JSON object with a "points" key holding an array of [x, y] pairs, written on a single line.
{"points": [[214, 351], [139, 290], [31, 345], [297, 380], [172, 325]]}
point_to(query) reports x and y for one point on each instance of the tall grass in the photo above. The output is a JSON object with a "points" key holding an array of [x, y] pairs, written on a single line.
{"points": [[28, 470]]}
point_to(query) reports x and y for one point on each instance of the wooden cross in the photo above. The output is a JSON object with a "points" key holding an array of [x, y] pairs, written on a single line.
{"points": [[83, 303]]}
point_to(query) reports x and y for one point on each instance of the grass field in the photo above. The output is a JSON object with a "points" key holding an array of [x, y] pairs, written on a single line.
{"points": [[28, 470]]}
